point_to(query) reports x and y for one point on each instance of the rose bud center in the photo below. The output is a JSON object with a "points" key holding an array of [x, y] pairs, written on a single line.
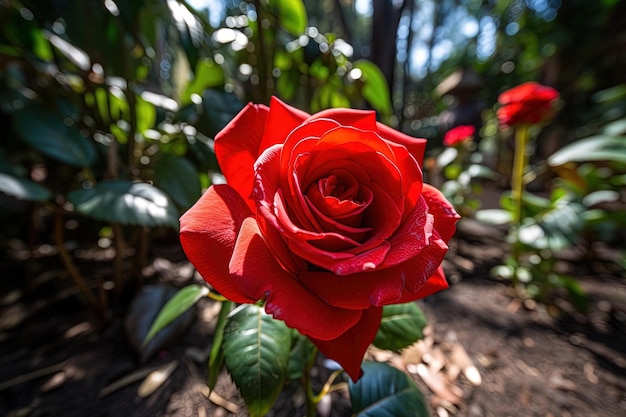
{"points": [[339, 197]]}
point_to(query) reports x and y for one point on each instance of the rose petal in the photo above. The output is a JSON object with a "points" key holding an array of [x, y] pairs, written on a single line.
{"points": [[338, 226], [265, 190], [208, 232], [435, 283], [238, 145], [282, 119], [349, 348], [261, 277], [378, 287], [412, 178], [444, 213], [529, 91], [415, 146], [355, 140], [360, 119]]}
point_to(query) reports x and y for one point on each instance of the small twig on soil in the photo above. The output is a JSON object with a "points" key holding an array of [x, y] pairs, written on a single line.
{"points": [[71, 266], [32, 375]]}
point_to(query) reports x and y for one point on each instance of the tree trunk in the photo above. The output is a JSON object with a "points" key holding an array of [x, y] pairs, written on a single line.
{"points": [[386, 19]]}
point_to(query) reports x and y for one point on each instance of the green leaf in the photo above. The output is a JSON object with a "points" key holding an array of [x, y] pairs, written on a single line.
{"points": [[218, 109], [146, 114], [256, 351], [291, 15], [208, 75], [401, 326], [446, 157], [301, 352], [216, 357], [288, 83], [125, 202], [178, 178], [612, 94], [615, 128], [577, 295], [141, 315], [599, 197], [556, 228], [23, 188], [184, 299], [384, 391], [494, 216], [327, 96], [481, 171], [594, 148], [48, 134], [375, 88]]}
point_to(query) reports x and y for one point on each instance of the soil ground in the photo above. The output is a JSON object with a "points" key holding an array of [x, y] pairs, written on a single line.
{"points": [[56, 360]]}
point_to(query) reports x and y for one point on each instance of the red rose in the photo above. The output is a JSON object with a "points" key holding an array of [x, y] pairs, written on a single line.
{"points": [[528, 103], [458, 134], [324, 217]]}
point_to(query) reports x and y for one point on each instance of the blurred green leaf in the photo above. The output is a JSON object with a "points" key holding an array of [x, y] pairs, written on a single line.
{"points": [[201, 153], [494, 216], [41, 46], [611, 94], [577, 295], [288, 83], [594, 148], [615, 128], [256, 352], [481, 171], [216, 357], [178, 178], [452, 171], [184, 299], [217, 110], [141, 315], [291, 15], [208, 74], [384, 391], [599, 197], [447, 156], [23, 188], [48, 134], [556, 228], [125, 202], [401, 326], [301, 353], [375, 88], [327, 96], [146, 115]]}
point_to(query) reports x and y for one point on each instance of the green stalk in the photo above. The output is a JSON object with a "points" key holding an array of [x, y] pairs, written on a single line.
{"points": [[517, 178], [311, 400], [517, 191]]}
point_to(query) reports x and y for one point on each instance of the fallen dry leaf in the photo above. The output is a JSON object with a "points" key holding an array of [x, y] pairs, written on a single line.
{"points": [[438, 385], [218, 400], [460, 357], [155, 379]]}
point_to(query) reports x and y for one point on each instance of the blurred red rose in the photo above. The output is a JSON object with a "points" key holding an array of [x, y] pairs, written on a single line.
{"points": [[458, 135], [325, 218], [528, 103]]}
